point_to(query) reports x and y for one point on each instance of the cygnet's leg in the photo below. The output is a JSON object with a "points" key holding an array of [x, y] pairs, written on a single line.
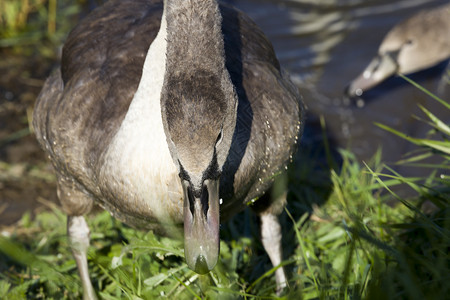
{"points": [[76, 203], [78, 232], [268, 207], [271, 240]]}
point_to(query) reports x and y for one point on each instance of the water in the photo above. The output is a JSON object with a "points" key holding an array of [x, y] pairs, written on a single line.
{"points": [[324, 44]]}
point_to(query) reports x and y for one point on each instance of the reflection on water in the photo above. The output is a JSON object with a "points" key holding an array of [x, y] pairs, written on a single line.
{"points": [[324, 44]]}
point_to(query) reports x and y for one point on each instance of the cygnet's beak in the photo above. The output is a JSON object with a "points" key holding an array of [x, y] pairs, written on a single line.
{"points": [[201, 226], [380, 68]]}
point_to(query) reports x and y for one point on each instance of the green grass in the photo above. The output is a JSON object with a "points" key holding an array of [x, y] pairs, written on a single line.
{"points": [[30, 25], [356, 245]]}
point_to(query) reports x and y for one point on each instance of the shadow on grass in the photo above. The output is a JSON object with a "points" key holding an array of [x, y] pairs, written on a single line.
{"points": [[420, 267]]}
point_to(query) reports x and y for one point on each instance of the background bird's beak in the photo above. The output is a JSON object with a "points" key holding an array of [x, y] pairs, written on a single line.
{"points": [[380, 68], [201, 226]]}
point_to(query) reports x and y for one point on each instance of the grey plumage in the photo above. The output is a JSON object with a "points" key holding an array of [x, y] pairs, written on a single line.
{"points": [[227, 108]]}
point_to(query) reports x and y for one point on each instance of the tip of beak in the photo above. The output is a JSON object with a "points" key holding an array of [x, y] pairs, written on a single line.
{"points": [[203, 262], [353, 92], [201, 266], [347, 90]]}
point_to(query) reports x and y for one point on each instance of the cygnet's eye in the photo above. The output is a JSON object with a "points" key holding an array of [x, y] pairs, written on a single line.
{"points": [[409, 43], [219, 137]]}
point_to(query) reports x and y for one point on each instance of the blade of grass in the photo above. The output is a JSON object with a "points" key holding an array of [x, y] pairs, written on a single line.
{"points": [[269, 273], [425, 90], [442, 146], [15, 136], [187, 287], [438, 124], [302, 245], [407, 204], [125, 290]]}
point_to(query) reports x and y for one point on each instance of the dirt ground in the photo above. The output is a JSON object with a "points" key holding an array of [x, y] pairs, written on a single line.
{"points": [[26, 178]]}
